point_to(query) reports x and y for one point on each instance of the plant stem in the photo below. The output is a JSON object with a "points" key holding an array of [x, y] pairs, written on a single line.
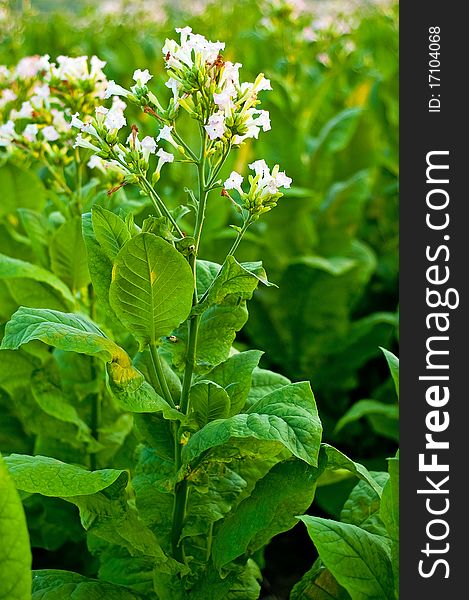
{"points": [[181, 491], [160, 205], [160, 376], [239, 237], [96, 402]]}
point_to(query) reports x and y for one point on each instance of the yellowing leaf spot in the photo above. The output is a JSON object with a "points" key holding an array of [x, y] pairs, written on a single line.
{"points": [[113, 273], [152, 277]]}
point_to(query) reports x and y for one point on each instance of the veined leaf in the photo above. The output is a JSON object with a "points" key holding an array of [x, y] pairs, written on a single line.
{"points": [[389, 514], [66, 331], [209, 402], [393, 364], [68, 255], [368, 408], [286, 490], [152, 288], [53, 584], [263, 382], [287, 416], [51, 477], [110, 230], [358, 560], [234, 375], [15, 553], [362, 507], [239, 279], [336, 460], [20, 187], [36, 226], [318, 584], [13, 268], [99, 265]]}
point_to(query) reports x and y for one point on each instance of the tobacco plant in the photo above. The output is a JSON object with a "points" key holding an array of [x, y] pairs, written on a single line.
{"points": [[183, 456]]}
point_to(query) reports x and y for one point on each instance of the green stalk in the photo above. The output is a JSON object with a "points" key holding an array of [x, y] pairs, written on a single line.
{"points": [[160, 376], [160, 205], [181, 491], [239, 237]]}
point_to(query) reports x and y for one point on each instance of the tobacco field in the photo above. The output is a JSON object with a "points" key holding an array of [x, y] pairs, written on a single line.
{"points": [[199, 372]]}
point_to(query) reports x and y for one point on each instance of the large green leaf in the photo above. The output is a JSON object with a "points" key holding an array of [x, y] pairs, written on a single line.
{"points": [[287, 416], [68, 255], [99, 265], [358, 560], [234, 278], [389, 514], [15, 269], [263, 382], [20, 188], [209, 402], [336, 460], [36, 226], [362, 507], [15, 553], [53, 584], [318, 584], [234, 375], [152, 288], [287, 490], [393, 364], [372, 408], [110, 230], [66, 331], [51, 477]]}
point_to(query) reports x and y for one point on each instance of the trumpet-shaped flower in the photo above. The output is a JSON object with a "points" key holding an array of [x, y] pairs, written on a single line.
{"points": [[234, 182], [30, 132], [7, 133], [215, 126], [165, 134], [142, 77], [81, 142], [163, 158], [50, 133], [148, 146], [113, 89]]}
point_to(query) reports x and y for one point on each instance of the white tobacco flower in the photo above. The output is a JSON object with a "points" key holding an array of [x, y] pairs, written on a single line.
{"points": [[260, 168], [80, 142], [174, 86], [76, 122], [25, 112], [97, 66], [90, 129], [215, 127], [142, 77], [59, 121], [7, 96], [30, 66], [96, 162], [113, 89], [230, 73], [72, 68], [115, 119], [30, 132], [148, 146], [118, 104], [4, 72], [50, 133], [7, 133], [263, 120], [165, 134], [224, 100], [163, 158], [43, 91], [262, 83], [234, 182]]}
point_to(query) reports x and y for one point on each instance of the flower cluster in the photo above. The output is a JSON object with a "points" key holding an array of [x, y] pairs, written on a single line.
{"points": [[264, 188], [38, 97]]}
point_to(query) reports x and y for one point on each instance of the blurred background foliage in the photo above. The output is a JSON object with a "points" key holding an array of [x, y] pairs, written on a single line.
{"points": [[331, 245]]}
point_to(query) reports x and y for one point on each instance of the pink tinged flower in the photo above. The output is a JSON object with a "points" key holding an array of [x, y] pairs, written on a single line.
{"points": [[234, 182], [101, 110], [29, 66], [80, 142], [215, 127], [26, 111], [50, 133], [30, 132], [224, 100], [148, 146], [142, 77], [7, 96], [115, 119], [7, 133], [43, 91], [163, 158], [113, 89]]}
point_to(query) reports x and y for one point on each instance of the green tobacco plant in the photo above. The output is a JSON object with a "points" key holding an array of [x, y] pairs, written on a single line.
{"points": [[126, 404]]}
